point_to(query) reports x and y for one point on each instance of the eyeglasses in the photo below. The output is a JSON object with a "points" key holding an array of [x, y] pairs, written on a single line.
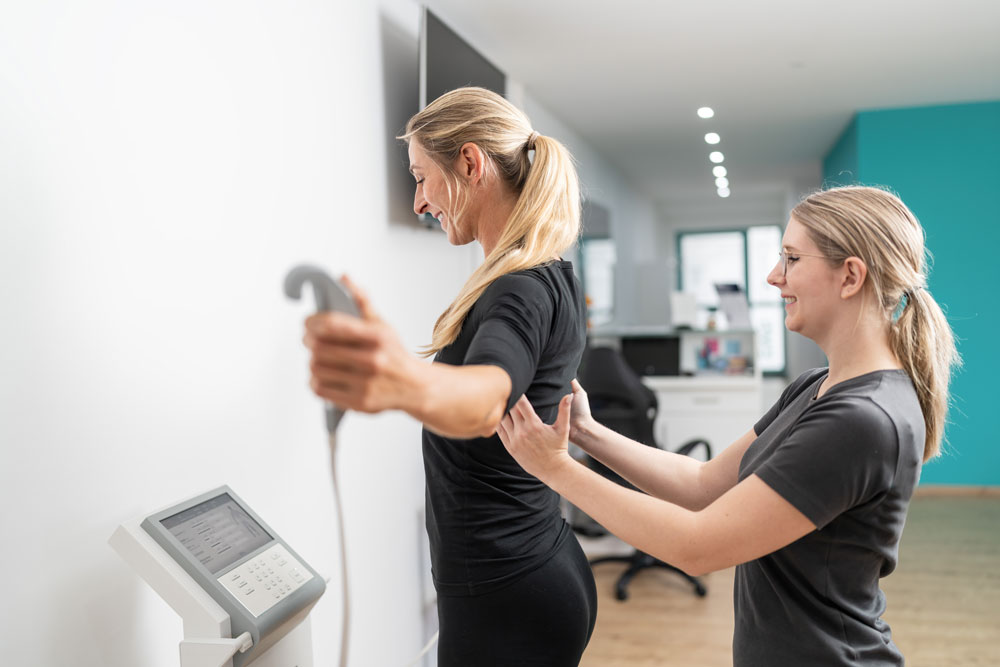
{"points": [[785, 257]]}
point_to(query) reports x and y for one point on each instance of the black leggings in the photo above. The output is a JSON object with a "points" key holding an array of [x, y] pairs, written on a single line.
{"points": [[544, 619]]}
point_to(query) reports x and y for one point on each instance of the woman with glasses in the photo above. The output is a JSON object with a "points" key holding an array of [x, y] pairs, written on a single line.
{"points": [[514, 587], [809, 504]]}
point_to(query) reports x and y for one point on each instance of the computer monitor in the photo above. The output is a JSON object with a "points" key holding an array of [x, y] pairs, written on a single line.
{"points": [[652, 355]]}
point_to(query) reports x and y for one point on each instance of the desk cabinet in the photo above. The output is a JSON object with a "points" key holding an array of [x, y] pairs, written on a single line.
{"points": [[718, 409]]}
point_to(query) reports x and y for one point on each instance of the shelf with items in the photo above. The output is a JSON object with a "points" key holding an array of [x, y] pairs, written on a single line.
{"points": [[707, 383], [660, 351], [729, 353]]}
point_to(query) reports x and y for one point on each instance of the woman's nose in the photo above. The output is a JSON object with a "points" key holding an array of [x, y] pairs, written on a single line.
{"points": [[419, 203], [777, 275]]}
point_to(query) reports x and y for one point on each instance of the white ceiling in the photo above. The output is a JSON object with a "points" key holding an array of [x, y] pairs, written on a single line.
{"points": [[784, 77]]}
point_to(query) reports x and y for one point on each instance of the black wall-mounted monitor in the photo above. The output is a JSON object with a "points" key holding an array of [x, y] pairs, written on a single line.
{"points": [[448, 62]]}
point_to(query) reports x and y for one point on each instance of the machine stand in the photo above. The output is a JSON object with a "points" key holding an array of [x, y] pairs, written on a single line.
{"points": [[213, 652]]}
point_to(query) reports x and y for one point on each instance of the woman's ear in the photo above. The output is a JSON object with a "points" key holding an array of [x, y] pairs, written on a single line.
{"points": [[855, 272], [471, 163]]}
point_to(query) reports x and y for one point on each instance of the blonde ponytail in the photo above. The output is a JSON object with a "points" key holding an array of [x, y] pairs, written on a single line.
{"points": [[923, 342], [877, 227], [546, 216]]}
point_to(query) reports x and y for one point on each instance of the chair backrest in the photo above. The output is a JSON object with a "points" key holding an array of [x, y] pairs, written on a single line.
{"points": [[618, 398], [620, 401]]}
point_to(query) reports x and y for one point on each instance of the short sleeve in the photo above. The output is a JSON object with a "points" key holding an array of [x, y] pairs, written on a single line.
{"points": [[516, 312], [840, 454], [797, 386]]}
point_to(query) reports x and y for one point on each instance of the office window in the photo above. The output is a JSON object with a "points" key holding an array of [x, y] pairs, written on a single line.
{"points": [[742, 257], [597, 265]]}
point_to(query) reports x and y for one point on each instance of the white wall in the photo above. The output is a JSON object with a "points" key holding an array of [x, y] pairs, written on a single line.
{"points": [[633, 216], [162, 165]]}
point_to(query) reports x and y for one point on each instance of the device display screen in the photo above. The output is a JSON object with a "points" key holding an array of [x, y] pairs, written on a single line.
{"points": [[218, 532]]}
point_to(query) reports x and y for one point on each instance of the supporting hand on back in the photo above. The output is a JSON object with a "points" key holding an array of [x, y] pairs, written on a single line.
{"points": [[539, 448], [580, 419]]}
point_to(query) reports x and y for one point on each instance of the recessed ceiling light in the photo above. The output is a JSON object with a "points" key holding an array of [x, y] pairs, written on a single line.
{"points": [[712, 138], [716, 157], [719, 171], [723, 192], [705, 112], [722, 182]]}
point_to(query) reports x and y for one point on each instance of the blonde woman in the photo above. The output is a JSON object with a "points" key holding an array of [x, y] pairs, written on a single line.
{"points": [[514, 587], [809, 504]]}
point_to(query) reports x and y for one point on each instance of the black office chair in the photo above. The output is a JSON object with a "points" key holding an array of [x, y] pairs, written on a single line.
{"points": [[619, 400]]}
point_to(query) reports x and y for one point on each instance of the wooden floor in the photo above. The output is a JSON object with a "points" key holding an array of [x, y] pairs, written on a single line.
{"points": [[943, 599]]}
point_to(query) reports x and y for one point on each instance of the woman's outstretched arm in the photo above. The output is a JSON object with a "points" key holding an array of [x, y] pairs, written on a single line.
{"points": [[748, 521], [678, 479], [361, 364]]}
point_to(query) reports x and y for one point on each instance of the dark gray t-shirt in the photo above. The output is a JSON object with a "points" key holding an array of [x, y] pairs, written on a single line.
{"points": [[849, 461]]}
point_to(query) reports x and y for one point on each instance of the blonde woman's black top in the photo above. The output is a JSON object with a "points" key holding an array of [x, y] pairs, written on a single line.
{"points": [[489, 522]]}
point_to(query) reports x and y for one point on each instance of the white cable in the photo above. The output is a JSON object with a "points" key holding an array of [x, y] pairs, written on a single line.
{"points": [[424, 651], [344, 633], [346, 613], [330, 296]]}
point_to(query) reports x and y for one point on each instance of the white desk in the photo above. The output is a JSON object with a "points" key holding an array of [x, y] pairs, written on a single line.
{"points": [[717, 408]]}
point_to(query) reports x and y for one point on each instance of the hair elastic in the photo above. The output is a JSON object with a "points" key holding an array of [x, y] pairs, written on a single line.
{"points": [[904, 301]]}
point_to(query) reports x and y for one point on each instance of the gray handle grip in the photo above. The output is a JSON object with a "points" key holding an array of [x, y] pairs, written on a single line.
{"points": [[330, 296]]}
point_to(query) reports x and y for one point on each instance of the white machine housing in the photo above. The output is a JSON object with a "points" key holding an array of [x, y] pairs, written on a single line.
{"points": [[243, 594]]}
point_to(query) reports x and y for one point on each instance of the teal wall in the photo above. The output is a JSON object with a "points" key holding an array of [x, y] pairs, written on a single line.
{"points": [[944, 162], [841, 164]]}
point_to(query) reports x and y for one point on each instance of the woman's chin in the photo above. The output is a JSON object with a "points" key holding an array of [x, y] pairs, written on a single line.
{"points": [[454, 237]]}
